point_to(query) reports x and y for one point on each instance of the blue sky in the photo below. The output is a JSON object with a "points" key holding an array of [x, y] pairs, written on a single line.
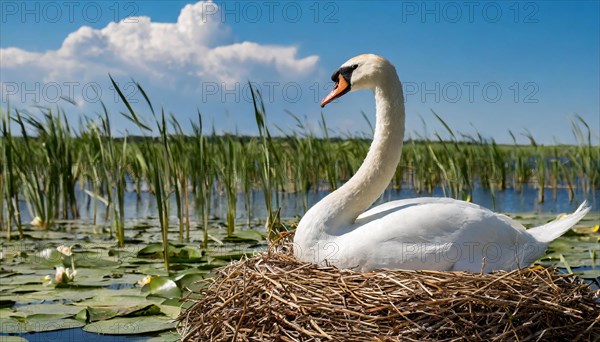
{"points": [[482, 66]]}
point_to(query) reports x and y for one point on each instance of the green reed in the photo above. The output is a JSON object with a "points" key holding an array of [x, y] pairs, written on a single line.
{"points": [[47, 160]]}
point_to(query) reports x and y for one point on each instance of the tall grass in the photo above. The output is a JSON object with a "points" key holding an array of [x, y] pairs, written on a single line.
{"points": [[48, 160], [265, 158], [9, 182]]}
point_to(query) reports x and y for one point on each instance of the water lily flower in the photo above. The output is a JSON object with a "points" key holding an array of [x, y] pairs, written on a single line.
{"points": [[65, 250], [37, 222], [64, 275], [145, 281]]}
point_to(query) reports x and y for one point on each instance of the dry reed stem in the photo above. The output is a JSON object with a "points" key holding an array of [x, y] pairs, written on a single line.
{"points": [[273, 297]]}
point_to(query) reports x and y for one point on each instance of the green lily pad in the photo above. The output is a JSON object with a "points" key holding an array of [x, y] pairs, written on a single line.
{"points": [[51, 294], [12, 339], [93, 262], [10, 325], [162, 287], [245, 236], [588, 274], [188, 254], [131, 325], [212, 264], [155, 251], [101, 313], [38, 323], [23, 280], [186, 280], [50, 309], [231, 256], [155, 270], [170, 310], [167, 336], [116, 300], [7, 312], [29, 288]]}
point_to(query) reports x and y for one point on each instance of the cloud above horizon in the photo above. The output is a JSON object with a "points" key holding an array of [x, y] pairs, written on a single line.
{"points": [[198, 47]]}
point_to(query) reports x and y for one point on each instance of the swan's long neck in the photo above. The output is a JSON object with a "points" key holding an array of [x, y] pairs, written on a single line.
{"points": [[340, 209]]}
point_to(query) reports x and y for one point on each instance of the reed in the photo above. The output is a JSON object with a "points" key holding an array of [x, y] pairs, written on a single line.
{"points": [[9, 179], [204, 177], [267, 151], [48, 161]]}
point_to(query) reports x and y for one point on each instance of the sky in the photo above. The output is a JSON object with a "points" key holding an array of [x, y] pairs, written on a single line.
{"points": [[485, 67]]}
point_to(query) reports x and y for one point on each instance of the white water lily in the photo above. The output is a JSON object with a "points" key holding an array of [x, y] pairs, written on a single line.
{"points": [[64, 275], [37, 222], [65, 250], [145, 281]]}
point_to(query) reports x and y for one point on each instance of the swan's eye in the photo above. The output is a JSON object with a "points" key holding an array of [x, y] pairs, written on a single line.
{"points": [[354, 66]]}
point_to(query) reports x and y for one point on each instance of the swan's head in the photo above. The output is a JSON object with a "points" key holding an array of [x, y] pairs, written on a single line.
{"points": [[360, 72]]}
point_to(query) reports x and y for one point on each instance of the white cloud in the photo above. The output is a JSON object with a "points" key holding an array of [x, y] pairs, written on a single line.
{"points": [[198, 47]]}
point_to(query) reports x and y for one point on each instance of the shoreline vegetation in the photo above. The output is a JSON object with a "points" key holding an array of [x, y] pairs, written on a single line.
{"points": [[120, 276], [45, 158]]}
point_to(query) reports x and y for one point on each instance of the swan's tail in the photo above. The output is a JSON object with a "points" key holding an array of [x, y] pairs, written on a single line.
{"points": [[558, 227]]}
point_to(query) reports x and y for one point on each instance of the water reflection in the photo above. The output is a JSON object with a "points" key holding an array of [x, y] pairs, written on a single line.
{"points": [[293, 204]]}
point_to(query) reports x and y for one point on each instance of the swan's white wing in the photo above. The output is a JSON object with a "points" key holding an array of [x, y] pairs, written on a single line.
{"points": [[398, 204], [432, 233]]}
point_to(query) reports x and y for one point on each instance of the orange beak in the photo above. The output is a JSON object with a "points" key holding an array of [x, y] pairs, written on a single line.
{"points": [[340, 88]]}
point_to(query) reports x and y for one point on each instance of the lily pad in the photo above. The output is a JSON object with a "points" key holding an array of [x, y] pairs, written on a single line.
{"points": [[29, 288], [117, 300], [162, 287], [12, 339], [167, 336], [101, 313], [170, 310], [188, 254], [131, 325], [154, 251], [187, 279], [72, 295], [10, 325], [93, 262], [51, 309], [589, 274], [212, 264], [231, 256], [23, 280], [38, 323]]}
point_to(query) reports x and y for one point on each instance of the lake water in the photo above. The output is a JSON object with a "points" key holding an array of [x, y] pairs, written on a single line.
{"points": [[292, 204]]}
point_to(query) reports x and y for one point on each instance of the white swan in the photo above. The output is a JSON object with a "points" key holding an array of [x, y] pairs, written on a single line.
{"points": [[420, 233]]}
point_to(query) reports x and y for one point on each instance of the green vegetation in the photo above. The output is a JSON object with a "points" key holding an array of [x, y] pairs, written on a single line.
{"points": [[52, 280], [47, 160], [105, 279]]}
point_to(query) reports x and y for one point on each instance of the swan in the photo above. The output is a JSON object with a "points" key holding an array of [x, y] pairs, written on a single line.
{"points": [[417, 234]]}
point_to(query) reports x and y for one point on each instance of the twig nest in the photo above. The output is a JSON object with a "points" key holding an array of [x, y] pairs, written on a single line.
{"points": [[272, 296]]}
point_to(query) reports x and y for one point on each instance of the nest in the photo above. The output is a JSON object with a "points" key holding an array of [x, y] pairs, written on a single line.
{"points": [[272, 296]]}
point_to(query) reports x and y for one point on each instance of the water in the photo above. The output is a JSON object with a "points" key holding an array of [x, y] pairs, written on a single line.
{"points": [[292, 204], [77, 334]]}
